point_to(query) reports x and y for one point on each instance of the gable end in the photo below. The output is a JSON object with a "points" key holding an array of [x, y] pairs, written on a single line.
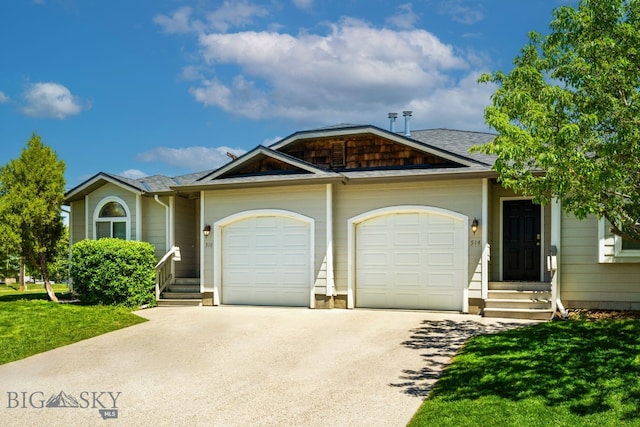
{"points": [[263, 165], [362, 151]]}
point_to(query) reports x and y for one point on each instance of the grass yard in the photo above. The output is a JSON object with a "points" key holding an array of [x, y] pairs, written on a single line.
{"points": [[572, 373], [29, 324]]}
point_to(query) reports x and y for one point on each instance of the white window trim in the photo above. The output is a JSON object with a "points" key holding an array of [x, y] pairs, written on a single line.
{"points": [[625, 255], [100, 205]]}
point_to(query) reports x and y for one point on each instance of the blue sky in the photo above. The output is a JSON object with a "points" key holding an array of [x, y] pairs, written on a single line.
{"points": [[169, 87]]}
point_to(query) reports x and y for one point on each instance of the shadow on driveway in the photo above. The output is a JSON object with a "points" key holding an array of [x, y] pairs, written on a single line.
{"points": [[441, 340]]}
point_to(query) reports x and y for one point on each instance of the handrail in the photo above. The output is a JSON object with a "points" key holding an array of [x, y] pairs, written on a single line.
{"points": [[163, 269]]}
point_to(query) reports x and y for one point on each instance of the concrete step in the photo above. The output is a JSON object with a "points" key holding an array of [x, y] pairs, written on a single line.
{"points": [[518, 313], [178, 302], [180, 295], [498, 303], [514, 294], [175, 287], [520, 286], [187, 281]]}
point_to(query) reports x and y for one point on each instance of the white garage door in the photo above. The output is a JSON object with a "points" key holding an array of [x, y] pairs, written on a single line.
{"points": [[266, 261], [411, 260]]}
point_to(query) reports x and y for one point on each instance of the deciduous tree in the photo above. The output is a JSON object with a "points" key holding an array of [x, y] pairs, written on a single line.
{"points": [[568, 114]]}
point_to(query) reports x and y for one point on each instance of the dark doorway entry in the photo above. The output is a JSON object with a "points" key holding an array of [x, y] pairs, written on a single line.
{"points": [[521, 240]]}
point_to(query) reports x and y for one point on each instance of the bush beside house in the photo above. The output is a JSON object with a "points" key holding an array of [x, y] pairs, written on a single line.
{"points": [[114, 271]]}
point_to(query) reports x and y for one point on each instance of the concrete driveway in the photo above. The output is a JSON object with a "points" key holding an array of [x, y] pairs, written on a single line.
{"points": [[239, 366]]}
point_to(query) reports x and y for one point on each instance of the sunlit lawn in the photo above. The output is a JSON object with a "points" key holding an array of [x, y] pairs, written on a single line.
{"points": [[29, 324], [571, 373]]}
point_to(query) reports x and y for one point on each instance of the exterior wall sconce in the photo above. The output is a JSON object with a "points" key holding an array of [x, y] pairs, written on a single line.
{"points": [[474, 225], [206, 230]]}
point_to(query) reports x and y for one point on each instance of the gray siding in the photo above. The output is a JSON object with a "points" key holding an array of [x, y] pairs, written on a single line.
{"points": [[113, 190], [461, 196], [586, 283], [305, 200], [187, 236], [77, 222], [154, 227]]}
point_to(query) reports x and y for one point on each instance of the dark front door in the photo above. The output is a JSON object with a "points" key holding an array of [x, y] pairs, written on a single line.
{"points": [[521, 240]]}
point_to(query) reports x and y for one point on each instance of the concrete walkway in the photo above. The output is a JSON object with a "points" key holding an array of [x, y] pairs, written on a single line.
{"points": [[241, 366]]}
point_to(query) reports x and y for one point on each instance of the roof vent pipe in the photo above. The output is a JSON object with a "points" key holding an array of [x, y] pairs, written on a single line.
{"points": [[392, 121], [407, 118]]}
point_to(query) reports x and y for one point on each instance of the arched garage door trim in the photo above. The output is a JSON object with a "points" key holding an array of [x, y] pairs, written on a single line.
{"points": [[351, 249], [219, 225]]}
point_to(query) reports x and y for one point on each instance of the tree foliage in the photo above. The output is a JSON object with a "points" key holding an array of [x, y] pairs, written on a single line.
{"points": [[571, 107], [114, 271], [31, 197]]}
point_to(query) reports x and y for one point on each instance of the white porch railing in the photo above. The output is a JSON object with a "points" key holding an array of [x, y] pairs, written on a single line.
{"points": [[164, 272]]}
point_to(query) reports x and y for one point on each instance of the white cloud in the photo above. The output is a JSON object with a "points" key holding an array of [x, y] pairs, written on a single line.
{"points": [[4, 98], [234, 14], [303, 4], [459, 107], [179, 21], [190, 73], [194, 158], [404, 18], [133, 174], [50, 100], [352, 73], [461, 12], [229, 14]]}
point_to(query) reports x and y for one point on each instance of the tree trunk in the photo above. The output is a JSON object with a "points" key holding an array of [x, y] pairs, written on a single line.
{"points": [[45, 276], [21, 279]]}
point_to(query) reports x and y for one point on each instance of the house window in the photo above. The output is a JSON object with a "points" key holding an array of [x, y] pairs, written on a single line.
{"points": [[630, 245], [112, 219], [614, 248]]}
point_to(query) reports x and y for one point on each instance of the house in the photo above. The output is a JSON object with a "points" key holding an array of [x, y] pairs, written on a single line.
{"points": [[358, 216]]}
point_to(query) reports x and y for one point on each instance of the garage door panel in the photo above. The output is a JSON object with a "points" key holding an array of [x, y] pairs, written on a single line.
{"points": [[407, 238], [442, 280], [446, 259], [408, 259], [420, 265], [266, 261], [441, 238], [407, 279], [376, 238]]}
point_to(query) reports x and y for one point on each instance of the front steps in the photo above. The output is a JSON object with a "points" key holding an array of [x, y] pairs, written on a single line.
{"points": [[519, 300], [184, 292]]}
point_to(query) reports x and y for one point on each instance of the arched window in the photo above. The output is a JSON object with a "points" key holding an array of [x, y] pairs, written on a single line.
{"points": [[112, 219]]}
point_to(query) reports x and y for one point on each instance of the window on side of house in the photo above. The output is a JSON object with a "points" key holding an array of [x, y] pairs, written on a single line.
{"points": [[615, 248], [630, 245], [112, 220]]}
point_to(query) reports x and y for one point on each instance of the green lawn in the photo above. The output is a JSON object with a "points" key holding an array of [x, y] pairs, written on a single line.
{"points": [[572, 373], [29, 324]]}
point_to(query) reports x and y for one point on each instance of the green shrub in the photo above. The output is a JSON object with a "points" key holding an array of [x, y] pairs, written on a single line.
{"points": [[114, 272]]}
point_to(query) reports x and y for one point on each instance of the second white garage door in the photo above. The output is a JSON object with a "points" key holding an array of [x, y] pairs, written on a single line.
{"points": [[266, 261], [411, 260]]}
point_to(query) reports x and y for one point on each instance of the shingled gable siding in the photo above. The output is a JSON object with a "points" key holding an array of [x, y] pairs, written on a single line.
{"points": [[307, 200], [264, 164], [586, 283], [361, 151], [461, 196]]}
